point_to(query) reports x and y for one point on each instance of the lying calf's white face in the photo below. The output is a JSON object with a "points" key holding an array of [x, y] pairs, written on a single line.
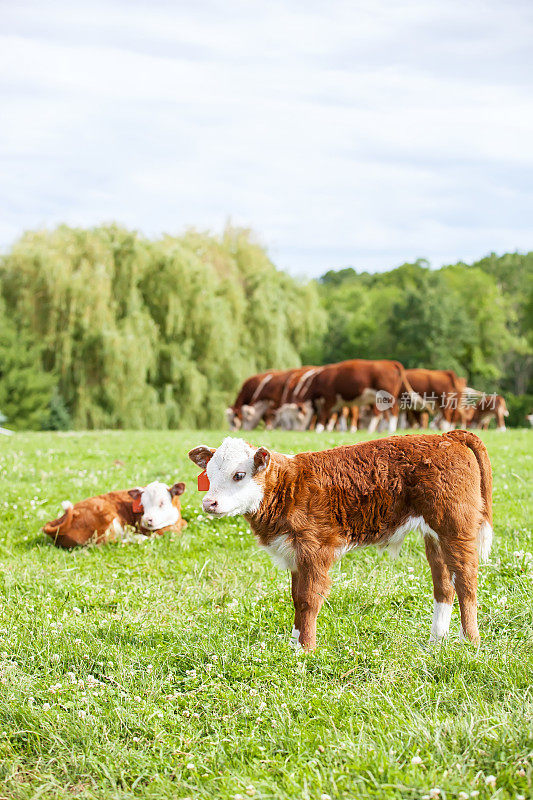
{"points": [[158, 511], [232, 470]]}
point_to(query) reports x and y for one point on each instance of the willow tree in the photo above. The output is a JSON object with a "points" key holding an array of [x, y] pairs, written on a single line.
{"points": [[155, 333]]}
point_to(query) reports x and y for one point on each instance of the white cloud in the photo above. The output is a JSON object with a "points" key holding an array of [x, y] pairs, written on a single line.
{"points": [[344, 133]]}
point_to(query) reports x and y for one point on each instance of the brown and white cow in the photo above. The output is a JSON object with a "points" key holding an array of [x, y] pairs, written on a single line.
{"points": [[357, 382], [154, 509], [489, 407], [442, 390], [292, 412], [269, 395], [309, 509], [248, 395]]}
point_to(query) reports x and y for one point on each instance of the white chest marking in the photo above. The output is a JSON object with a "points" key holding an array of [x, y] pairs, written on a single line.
{"points": [[281, 552]]}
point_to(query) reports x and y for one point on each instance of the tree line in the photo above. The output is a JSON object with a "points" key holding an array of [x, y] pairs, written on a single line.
{"points": [[105, 328]]}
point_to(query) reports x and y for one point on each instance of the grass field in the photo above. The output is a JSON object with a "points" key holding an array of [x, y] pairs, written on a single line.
{"points": [[163, 669]]}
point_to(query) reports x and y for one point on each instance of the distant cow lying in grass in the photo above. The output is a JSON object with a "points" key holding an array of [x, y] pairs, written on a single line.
{"points": [[154, 509], [309, 509]]}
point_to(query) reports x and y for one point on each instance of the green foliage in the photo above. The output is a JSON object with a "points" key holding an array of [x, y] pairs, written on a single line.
{"points": [[519, 407], [475, 319], [160, 334], [25, 389], [58, 418], [156, 334], [162, 670]]}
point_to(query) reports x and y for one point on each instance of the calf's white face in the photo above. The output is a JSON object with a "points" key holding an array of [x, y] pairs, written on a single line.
{"points": [[158, 511], [231, 470]]}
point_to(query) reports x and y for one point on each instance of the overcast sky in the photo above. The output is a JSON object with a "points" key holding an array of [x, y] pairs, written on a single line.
{"points": [[344, 133]]}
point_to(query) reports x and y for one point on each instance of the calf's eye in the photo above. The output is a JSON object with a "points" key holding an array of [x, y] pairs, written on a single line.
{"points": [[239, 476]]}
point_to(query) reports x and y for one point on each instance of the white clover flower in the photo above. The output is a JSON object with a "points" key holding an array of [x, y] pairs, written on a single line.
{"points": [[463, 795], [77, 641], [416, 760], [71, 677], [190, 765], [56, 657], [490, 780], [76, 611], [250, 791], [325, 797], [46, 706], [82, 713], [434, 792]]}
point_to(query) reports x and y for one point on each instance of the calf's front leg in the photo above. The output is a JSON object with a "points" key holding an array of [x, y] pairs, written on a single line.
{"points": [[310, 586]]}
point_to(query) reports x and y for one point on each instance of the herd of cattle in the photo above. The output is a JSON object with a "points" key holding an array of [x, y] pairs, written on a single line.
{"points": [[359, 393]]}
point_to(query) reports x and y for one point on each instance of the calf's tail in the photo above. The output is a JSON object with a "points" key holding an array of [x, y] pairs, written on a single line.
{"points": [[485, 470]]}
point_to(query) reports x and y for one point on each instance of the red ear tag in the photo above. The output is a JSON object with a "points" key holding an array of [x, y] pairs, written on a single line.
{"points": [[203, 482], [137, 506]]}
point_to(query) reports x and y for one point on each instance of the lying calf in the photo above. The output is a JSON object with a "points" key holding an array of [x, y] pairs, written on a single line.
{"points": [[156, 508], [309, 509]]}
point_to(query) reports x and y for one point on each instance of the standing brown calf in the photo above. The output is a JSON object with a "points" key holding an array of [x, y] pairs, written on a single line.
{"points": [[154, 509], [309, 509]]}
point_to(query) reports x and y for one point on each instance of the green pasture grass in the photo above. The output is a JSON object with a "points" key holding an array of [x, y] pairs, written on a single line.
{"points": [[163, 669]]}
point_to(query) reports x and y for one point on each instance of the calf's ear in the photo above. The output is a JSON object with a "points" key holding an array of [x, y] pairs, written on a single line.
{"points": [[178, 488], [201, 455], [135, 493], [261, 459]]}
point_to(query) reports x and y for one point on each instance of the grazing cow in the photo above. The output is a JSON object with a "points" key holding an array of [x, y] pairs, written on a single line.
{"points": [[269, 395], [309, 509], [488, 407], [442, 390], [247, 397], [154, 509], [292, 412], [355, 383]]}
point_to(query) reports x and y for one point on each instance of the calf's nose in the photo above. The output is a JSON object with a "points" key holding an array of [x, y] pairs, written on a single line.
{"points": [[209, 505]]}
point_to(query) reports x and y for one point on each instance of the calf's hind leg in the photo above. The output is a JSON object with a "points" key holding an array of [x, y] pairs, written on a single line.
{"points": [[443, 590], [462, 561]]}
